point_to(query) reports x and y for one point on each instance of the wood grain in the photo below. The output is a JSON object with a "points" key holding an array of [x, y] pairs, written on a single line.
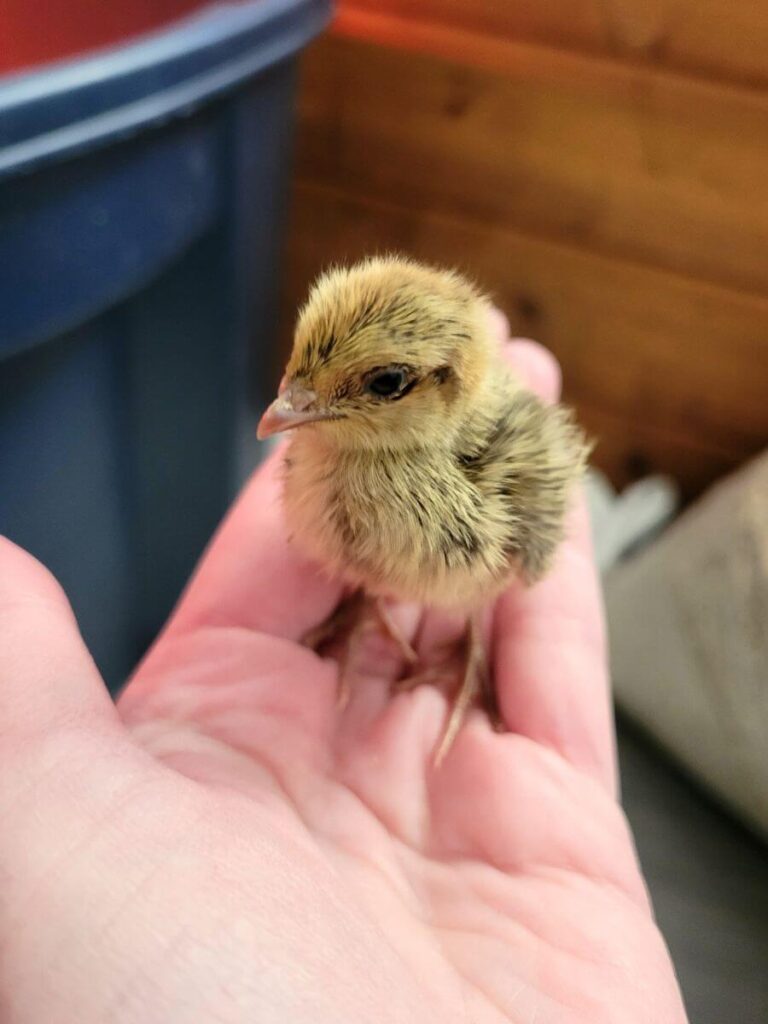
{"points": [[648, 167], [701, 37], [670, 373]]}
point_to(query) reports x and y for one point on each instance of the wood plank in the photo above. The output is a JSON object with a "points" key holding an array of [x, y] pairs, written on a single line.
{"points": [[710, 38], [628, 449], [670, 373], [652, 168]]}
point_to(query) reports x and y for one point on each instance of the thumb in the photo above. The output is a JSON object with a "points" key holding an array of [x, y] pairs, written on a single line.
{"points": [[49, 684]]}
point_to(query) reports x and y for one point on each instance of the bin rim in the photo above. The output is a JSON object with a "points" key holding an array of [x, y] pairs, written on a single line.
{"points": [[112, 93]]}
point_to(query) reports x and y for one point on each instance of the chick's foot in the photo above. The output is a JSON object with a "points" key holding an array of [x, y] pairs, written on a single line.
{"points": [[343, 633], [466, 665]]}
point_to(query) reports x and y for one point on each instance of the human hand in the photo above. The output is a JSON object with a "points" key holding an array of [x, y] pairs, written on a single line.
{"points": [[227, 846]]}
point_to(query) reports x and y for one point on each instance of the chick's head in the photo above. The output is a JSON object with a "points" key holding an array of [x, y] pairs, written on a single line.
{"points": [[386, 353]]}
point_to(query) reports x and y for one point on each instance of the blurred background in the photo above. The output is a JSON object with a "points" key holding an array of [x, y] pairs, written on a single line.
{"points": [[172, 177]]}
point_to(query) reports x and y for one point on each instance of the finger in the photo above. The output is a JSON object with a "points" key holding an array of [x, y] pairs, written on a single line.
{"points": [[252, 576], [550, 658], [49, 684], [533, 364], [499, 324], [537, 367]]}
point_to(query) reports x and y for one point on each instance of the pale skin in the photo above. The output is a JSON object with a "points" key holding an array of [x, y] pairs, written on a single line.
{"points": [[227, 845]]}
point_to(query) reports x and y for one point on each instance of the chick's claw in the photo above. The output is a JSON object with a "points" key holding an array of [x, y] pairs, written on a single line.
{"points": [[475, 682], [465, 668], [394, 632]]}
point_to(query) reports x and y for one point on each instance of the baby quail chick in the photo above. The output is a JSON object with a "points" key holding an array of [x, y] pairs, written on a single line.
{"points": [[422, 470]]}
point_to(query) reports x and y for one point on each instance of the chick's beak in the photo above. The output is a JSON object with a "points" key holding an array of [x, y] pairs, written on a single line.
{"points": [[293, 407]]}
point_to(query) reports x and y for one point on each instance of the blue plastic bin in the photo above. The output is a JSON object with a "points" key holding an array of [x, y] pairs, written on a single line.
{"points": [[141, 215]]}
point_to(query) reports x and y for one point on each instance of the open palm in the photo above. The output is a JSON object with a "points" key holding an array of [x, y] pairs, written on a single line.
{"points": [[228, 846]]}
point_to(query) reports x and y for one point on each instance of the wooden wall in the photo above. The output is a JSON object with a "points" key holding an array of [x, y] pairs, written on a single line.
{"points": [[601, 167]]}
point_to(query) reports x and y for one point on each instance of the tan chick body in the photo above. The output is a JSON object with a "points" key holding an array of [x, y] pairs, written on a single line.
{"points": [[442, 490]]}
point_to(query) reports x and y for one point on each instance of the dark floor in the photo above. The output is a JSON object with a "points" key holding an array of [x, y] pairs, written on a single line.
{"points": [[709, 882]]}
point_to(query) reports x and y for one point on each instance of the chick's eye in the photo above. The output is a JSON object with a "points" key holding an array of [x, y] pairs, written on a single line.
{"points": [[386, 383]]}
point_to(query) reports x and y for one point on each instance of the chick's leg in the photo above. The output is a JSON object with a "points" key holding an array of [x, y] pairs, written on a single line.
{"points": [[347, 663], [342, 627], [476, 682], [337, 624]]}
